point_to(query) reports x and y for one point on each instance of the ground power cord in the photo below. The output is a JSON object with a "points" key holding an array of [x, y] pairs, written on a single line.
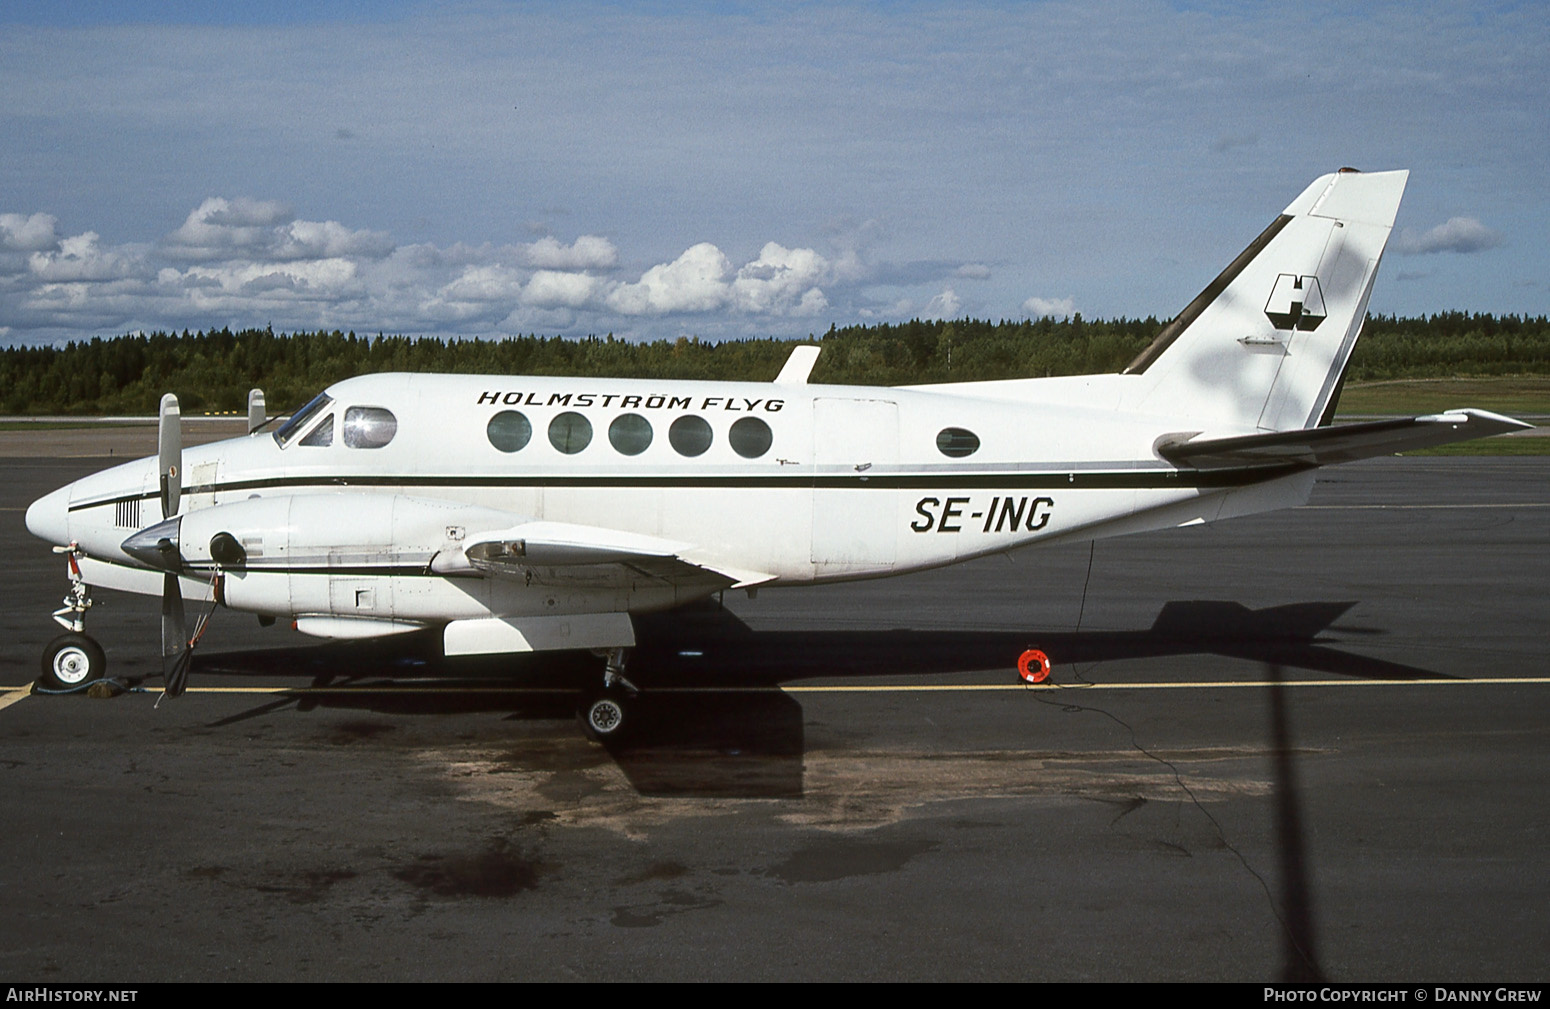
{"points": [[1178, 777]]}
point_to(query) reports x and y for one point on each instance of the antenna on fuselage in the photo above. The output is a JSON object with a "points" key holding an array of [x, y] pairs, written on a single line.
{"points": [[799, 365]]}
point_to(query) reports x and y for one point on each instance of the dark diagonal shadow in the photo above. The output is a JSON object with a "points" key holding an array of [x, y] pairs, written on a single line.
{"points": [[694, 736], [1299, 958]]}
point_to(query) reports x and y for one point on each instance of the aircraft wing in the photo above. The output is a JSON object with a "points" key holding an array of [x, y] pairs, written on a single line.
{"points": [[1321, 446], [563, 553]]}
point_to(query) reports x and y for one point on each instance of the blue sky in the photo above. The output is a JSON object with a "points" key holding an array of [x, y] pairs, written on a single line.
{"points": [[732, 170]]}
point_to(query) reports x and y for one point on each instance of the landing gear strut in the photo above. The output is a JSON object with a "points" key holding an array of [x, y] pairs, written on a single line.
{"points": [[605, 715], [73, 660]]}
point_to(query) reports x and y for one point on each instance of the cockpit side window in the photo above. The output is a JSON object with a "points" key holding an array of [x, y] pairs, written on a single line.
{"points": [[321, 436], [369, 426], [287, 432]]}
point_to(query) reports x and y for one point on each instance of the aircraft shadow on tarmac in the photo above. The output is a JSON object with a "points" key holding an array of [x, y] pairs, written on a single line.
{"points": [[714, 721]]}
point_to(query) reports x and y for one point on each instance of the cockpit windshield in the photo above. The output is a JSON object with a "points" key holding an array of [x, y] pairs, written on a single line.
{"points": [[286, 432]]}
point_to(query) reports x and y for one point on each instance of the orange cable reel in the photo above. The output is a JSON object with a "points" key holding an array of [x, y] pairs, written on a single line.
{"points": [[1033, 666]]}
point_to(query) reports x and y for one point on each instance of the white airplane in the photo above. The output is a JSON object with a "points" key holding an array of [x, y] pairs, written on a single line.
{"points": [[526, 514]]}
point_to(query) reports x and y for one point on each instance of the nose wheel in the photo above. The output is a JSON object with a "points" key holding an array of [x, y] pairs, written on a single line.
{"points": [[71, 661]]}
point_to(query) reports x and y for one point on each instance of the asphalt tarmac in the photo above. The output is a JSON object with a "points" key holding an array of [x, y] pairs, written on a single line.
{"points": [[1306, 744]]}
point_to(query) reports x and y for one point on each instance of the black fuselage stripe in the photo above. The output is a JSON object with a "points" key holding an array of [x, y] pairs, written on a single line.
{"points": [[944, 482]]}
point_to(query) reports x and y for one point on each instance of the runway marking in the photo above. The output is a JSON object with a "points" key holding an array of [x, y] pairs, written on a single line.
{"points": [[14, 694], [1421, 507], [1183, 685]]}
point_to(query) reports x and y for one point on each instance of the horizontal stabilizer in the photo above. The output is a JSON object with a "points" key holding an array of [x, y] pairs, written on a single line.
{"points": [[1321, 446]]}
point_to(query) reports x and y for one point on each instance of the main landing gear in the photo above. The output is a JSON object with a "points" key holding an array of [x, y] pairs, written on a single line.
{"points": [[73, 660], [607, 714]]}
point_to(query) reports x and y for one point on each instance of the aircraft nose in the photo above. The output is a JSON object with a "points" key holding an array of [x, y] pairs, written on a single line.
{"points": [[48, 517]]}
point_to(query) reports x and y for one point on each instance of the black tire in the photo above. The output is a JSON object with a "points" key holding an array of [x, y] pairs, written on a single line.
{"points": [[72, 660], [604, 717]]}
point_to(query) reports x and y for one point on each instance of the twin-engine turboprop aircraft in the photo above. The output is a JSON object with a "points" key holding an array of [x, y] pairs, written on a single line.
{"points": [[527, 514]]}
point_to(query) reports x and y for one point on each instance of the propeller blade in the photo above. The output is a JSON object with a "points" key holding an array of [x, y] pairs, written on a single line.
{"points": [[256, 416], [175, 654], [169, 456]]}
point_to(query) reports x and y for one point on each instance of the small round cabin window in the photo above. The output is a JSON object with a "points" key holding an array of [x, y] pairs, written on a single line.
{"points": [[369, 426], [509, 431], [570, 432], [630, 434], [689, 435], [955, 442], [750, 437]]}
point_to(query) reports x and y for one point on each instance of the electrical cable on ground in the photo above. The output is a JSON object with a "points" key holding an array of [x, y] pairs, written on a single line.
{"points": [[1178, 777]]}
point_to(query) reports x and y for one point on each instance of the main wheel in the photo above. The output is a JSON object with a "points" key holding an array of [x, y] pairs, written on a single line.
{"points": [[603, 717], [72, 660]]}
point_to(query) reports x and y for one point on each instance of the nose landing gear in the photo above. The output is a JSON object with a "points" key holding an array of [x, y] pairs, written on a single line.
{"points": [[73, 660]]}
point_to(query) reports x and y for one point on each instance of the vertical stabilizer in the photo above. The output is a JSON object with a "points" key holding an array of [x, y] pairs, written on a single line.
{"points": [[1264, 346]]}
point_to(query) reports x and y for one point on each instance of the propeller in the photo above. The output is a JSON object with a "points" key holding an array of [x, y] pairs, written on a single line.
{"points": [[169, 455], [175, 654]]}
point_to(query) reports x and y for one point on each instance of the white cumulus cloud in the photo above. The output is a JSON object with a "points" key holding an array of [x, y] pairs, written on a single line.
{"points": [[694, 282], [589, 252], [781, 280], [265, 230], [1049, 306], [33, 233], [556, 289], [1458, 234], [245, 262], [944, 306]]}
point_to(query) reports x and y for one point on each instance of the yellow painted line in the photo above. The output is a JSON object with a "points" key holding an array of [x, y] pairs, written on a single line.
{"points": [[1180, 685], [1421, 507], [371, 690], [14, 694]]}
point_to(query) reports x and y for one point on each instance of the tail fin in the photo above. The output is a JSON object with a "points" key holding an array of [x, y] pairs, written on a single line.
{"points": [[1266, 344]]}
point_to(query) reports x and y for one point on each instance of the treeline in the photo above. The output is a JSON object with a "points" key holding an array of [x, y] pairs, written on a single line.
{"points": [[212, 371]]}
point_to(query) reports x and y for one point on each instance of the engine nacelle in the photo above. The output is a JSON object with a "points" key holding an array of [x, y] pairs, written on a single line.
{"points": [[337, 553]]}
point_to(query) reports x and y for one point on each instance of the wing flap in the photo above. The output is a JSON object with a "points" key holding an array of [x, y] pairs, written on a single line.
{"points": [[1322, 446], [557, 553]]}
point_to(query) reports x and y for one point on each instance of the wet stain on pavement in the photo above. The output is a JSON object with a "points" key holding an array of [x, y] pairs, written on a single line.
{"points": [[497, 872], [835, 858]]}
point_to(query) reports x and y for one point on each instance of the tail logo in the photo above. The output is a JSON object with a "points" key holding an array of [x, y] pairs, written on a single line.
{"points": [[1296, 302]]}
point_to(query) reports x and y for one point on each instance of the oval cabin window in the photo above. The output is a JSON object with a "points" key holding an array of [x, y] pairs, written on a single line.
{"points": [[955, 442], [689, 435], [750, 437], [509, 431], [570, 432], [630, 434]]}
